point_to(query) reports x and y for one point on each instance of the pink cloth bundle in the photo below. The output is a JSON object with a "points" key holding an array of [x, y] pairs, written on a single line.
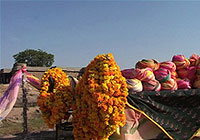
{"points": [[145, 74], [151, 63], [169, 85], [168, 65], [152, 85], [162, 74], [128, 73], [187, 73], [180, 61], [134, 85], [194, 60], [183, 83]]}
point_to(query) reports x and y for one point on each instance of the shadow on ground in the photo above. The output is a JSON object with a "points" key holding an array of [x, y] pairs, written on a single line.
{"points": [[42, 135]]}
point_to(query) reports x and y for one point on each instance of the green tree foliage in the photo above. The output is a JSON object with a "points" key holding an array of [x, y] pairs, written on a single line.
{"points": [[34, 58]]}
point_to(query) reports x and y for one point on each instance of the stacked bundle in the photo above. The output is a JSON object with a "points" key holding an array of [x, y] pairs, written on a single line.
{"points": [[151, 63], [171, 67], [146, 78], [166, 75], [185, 71], [195, 61], [134, 85], [100, 100], [180, 73]]}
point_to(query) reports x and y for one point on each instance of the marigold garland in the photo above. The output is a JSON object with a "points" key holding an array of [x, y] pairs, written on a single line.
{"points": [[54, 103], [100, 100]]}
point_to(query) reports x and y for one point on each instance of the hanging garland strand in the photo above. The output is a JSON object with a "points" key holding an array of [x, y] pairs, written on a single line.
{"points": [[100, 100], [55, 97]]}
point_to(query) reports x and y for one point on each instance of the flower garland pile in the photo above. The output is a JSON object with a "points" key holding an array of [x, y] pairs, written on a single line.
{"points": [[100, 100], [55, 97]]}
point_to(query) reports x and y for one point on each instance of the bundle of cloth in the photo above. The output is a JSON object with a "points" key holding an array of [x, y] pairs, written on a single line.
{"points": [[179, 73], [153, 99]]}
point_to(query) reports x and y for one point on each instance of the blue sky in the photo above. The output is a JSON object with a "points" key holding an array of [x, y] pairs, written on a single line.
{"points": [[77, 31]]}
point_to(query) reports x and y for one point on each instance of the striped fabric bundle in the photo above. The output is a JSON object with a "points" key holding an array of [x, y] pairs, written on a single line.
{"points": [[171, 66], [180, 61], [162, 74], [194, 60], [150, 63], [152, 85], [145, 74], [179, 73], [134, 85], [186, 70], [169, 85]]}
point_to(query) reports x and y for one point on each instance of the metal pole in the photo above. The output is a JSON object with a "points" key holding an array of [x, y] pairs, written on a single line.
{"points": [[57, 131], [24, 103]]}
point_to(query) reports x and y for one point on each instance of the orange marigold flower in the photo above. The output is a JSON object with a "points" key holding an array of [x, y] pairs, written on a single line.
{"points": [[99, 99], [55, 98]]}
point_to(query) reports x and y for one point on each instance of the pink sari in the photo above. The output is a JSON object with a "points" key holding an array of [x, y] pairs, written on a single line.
{"points": [[9, 98], [138, 127]]}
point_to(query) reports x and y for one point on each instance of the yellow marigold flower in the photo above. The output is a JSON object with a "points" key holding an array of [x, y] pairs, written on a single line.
{"points": [[55, 99], [110, 110]]}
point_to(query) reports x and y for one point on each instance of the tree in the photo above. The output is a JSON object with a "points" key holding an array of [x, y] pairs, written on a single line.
{"points": [[34, 58]]}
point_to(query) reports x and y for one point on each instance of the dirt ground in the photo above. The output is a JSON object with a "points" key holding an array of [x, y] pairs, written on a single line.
{"points": [[11, 128]]}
